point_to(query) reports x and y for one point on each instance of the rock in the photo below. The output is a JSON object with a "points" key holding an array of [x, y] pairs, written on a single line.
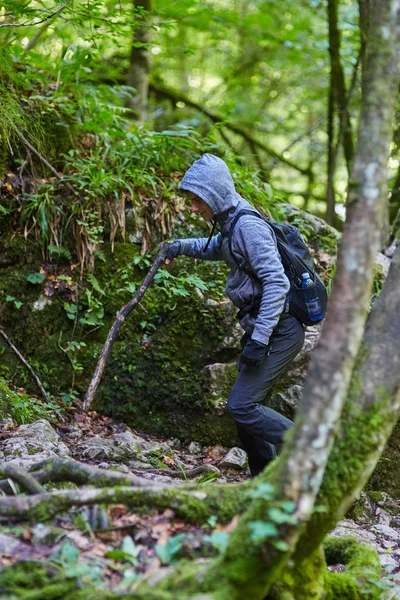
{"points": [[46, 534], [113, 450], [35, 441], [174, 443], [75, 432], [219, 378], [8, 544], [362, 511], [235, 459], [127, 440], [194, 448], [388, 562], [386, 532]]}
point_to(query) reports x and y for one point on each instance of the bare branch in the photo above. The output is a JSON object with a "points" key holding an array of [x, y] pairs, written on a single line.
{"points": [[121, 316], [47, 18], [44, 161], [25, 362]]}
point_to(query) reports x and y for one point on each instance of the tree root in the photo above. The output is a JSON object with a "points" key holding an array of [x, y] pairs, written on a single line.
{"points": [[193, 504], [25, 481], [189, 474], [55, 470]]}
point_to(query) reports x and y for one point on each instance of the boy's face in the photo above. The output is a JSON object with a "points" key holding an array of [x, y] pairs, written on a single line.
{"points": [[199, 206]]}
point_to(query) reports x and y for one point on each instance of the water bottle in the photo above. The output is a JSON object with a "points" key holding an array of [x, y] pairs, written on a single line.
{"points": [[313, 304]]}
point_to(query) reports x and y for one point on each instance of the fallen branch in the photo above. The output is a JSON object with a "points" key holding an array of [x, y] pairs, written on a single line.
{"points": [[121, 316], [27, 365], [195, 505], [20, 476]]}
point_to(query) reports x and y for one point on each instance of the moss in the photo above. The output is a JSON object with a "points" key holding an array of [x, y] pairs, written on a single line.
{"points": [[385, 477], [33, 580], [363, 569]]}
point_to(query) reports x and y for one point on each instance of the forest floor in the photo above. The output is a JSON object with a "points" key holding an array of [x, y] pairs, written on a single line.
{"points": [[111, 547], [115, 548]]}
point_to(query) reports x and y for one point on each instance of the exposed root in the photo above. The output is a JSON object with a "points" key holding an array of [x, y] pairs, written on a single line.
{"points": [[25, 481], [195, 505], [55, 470]]}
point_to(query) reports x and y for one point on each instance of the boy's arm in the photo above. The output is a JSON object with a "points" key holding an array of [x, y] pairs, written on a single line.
{"points": [[194, 247]]}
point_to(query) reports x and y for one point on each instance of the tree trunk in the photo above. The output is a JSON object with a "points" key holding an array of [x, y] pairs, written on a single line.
{"points": [[139, 67], [339, 84], [339, 98], [370, 414]]}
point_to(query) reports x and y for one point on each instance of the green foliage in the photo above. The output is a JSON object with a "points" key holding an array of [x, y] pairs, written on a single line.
{"points": [[128, 553], [36, 278], [279, 513], [22, 407], [168, 552]]}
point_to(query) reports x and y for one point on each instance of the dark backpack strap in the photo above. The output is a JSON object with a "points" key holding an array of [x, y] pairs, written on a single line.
{"points": [[229, 234]]}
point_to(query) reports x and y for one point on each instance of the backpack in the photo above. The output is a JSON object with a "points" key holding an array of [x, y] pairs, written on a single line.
{"points": [[296, 260]]}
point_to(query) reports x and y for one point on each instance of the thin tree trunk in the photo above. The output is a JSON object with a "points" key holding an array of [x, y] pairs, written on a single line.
{"points": [[338, 81], [371, 412], [139, 67], [330, 191], [250, 567]]}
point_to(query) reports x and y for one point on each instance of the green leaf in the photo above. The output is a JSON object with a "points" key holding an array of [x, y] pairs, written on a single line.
{"points": [[219, 539], [129, 547], [167, 552], [36, 278], [59, 251], [92, 279], [69, 553], [261, 531], [10, 298], [281, 545], [264, 490], [279, 516], [18, 304]]}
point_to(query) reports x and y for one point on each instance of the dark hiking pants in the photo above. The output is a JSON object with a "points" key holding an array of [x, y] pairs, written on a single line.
{"points": [[260, 428]]}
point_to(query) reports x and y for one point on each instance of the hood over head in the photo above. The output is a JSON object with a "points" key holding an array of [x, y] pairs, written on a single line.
{"points": [[210, 179]]}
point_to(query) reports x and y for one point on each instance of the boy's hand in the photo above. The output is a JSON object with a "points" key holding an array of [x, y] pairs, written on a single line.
{"points": [[173, 251], [254, 353]]}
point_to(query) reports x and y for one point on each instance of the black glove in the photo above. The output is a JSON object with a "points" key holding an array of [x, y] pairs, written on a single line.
{"points": [[254, 353], [174, 249]]}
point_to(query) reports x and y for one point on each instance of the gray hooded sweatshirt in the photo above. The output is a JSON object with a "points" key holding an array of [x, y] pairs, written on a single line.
{"points": [[253, 244]]}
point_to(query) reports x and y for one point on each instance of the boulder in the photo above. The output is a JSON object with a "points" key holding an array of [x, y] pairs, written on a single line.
{"points": [[112, 450], [34, 442]]}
